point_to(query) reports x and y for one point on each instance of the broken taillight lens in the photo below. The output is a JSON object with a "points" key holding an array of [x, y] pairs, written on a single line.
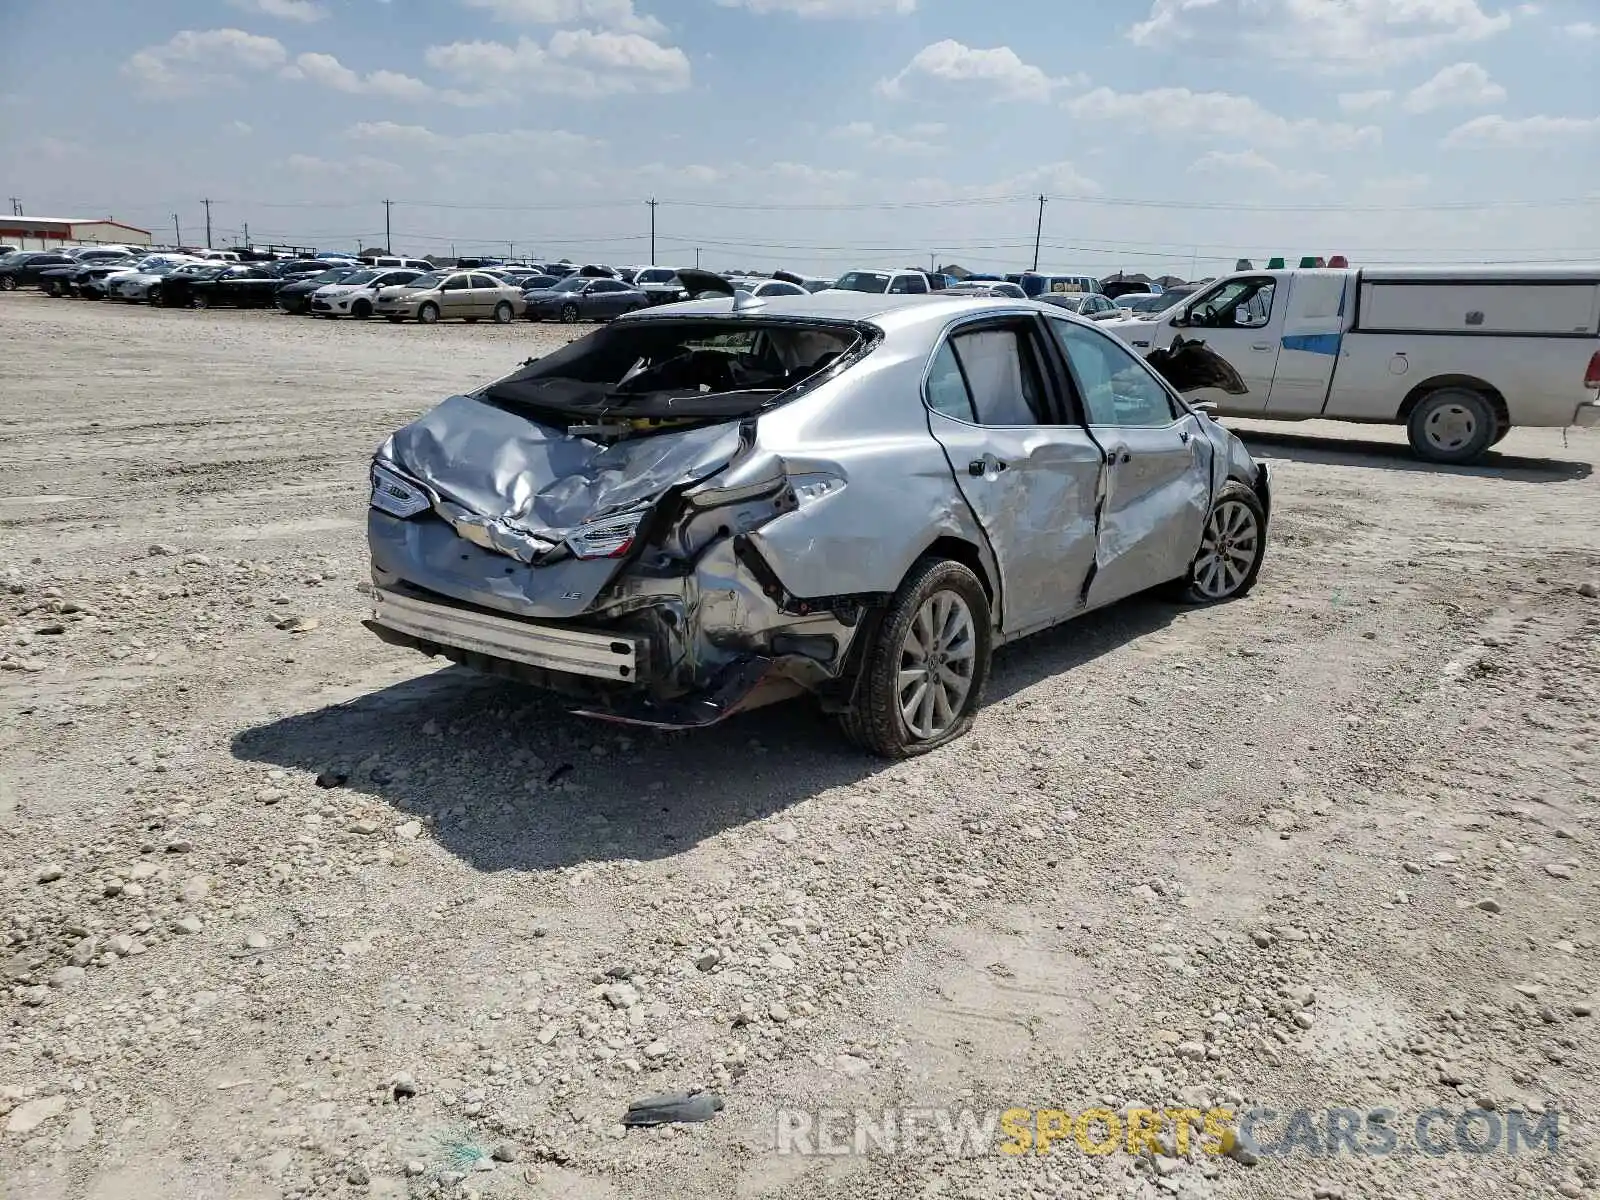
{"points": [[1591, 377], [608, 537]]}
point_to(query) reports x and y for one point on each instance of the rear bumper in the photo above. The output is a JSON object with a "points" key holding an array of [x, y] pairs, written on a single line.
{"points": [[617, 658]]}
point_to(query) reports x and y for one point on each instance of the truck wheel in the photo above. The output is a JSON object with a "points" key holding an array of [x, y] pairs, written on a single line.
{"points": [[1451, 425], [925, 667], [1499, 434]]}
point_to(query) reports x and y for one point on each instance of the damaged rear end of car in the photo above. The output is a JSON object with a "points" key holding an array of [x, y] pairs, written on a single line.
{"points": [[590, 523]]}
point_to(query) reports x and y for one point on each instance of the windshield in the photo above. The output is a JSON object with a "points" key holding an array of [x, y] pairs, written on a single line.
{"points": [[643, 370], [1072, 303], [427, 282], [863, 281], [366, 276], [572, 283], [1148, 303], [655, 275]]}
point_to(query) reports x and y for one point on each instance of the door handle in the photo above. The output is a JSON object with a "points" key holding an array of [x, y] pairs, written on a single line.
{"points": [[1183, 436], [1113, 457], [981, 466], [1261, 346]]}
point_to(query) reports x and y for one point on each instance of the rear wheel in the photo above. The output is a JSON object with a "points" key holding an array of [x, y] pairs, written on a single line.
{"points": [[52, 288], [1232, 547], [8, 283], [361, 310], [503, 313], [925, 667], [199, 301], [1452, 425], [154, 294], [428, 314], [1499, 434]]}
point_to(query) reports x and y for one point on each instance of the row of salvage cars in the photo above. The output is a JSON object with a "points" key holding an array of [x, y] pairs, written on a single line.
{"points": [[705, 507]]}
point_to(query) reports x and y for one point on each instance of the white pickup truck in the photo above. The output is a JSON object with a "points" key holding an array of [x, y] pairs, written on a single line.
{"points": [[1458, 355]]}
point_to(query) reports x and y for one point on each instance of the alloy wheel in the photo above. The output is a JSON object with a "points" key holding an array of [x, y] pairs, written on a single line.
{"points": [[937, 660], [1228, 549]]}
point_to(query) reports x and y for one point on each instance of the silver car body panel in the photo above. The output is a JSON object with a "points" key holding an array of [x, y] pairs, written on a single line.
{"points": [[787, 525]]}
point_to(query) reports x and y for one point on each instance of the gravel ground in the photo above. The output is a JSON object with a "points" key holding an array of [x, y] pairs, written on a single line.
{"points": [[293, 913]]}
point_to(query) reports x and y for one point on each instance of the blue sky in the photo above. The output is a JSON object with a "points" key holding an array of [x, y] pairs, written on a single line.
{"points": [[1170, 135]]}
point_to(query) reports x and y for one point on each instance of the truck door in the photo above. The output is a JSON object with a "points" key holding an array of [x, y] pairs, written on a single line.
{"points": [[1313, 334], [1242, 321]]}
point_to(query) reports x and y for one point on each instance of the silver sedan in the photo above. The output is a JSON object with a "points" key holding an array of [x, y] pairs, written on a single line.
{"points": [[710, 506]]}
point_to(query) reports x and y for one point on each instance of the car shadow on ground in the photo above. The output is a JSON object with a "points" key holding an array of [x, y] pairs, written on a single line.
{"points": [[511, 781], [1393, 456]]}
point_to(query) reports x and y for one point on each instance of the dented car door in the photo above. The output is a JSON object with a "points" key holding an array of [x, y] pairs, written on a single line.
{"points": [[1031, 481], [1157, 479]]}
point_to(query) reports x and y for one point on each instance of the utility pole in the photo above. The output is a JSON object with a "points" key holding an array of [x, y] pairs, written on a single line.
{"points": [[207, 203], [652, 202], [388, 246], [16, 207], [177, 234], [511, 249], [247, 233], [1038, 232], [697, 258]]}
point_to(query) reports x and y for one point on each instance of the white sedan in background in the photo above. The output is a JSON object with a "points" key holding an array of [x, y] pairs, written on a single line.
{"points": [[354, 295]]}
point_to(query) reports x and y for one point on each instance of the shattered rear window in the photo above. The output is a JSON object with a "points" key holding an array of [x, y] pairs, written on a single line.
{"points": [[685, 370]]}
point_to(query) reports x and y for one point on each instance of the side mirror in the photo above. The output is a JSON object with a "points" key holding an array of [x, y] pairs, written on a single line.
{"points": [[1209, 407]]}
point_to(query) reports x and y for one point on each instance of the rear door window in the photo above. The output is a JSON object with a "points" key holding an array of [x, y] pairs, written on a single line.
{"points": [[995, 380]]}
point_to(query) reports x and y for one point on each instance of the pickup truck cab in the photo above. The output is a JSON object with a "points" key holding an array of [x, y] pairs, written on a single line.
{"points": [[1458, 355]]}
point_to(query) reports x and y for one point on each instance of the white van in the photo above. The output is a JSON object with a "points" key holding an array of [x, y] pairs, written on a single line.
{"points": [[1458, 355]]}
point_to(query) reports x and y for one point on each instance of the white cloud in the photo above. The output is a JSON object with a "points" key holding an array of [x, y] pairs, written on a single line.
{"points": [[190, 60], [1057, 178], [999, 71], [1178, 112], [1523, 133], [1332, 35], [329, 72], [1460, 85], [1230, 164], [360, 167], [575, 62], [482, 142], [304, 11], [241, 126], [1582, 29], [612, 14], [827, 8], [1356, 102], [917, 140]]}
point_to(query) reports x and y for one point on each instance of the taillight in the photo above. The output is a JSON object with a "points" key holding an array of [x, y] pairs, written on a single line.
{"points": [[1591, 377], [609, 537], [397, 496]]}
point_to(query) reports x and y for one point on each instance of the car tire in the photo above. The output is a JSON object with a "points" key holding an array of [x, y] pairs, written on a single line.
{"points": [[428, 314], [199, 301], [1452, 425], [7, 283], [1500, 434], [1233, 545], [945, 597], [52, 288], [569, 314], [154, 295], [503, 313], [361, 310]]}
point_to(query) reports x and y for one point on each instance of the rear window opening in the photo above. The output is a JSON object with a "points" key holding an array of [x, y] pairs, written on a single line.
{"points": [[634, 378]]}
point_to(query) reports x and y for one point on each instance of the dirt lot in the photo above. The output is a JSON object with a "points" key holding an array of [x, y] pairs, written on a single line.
{"points": [[1333, 845]]}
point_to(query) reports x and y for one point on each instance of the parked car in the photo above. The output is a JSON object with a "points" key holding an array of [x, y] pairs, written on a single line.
{"points": [[6, 248], [356, 295], [64, 280], [449, 296], [893, 283], [577, 299], [701, 509], [144, 283], [295, 296], [660, 285], [300, 268], [1037, 283], [397, 260], [1138, 304], [984, 287], [22, 268], [1086, 304], [247, 285]]}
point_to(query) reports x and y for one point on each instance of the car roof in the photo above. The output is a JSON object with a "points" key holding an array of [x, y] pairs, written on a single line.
{"points": [[890, 313]]}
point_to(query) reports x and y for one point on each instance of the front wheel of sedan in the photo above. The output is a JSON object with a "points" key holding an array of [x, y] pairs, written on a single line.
{"points": [[154, 295], [503, 313], [925, 667], [361, 310], [428, 314], [7, 283], [199, 301], [1232, 546], [569, 314]]}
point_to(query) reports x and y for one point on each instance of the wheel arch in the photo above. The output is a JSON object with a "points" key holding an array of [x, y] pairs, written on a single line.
{"points": [[1439, 383], [959, 550]]}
